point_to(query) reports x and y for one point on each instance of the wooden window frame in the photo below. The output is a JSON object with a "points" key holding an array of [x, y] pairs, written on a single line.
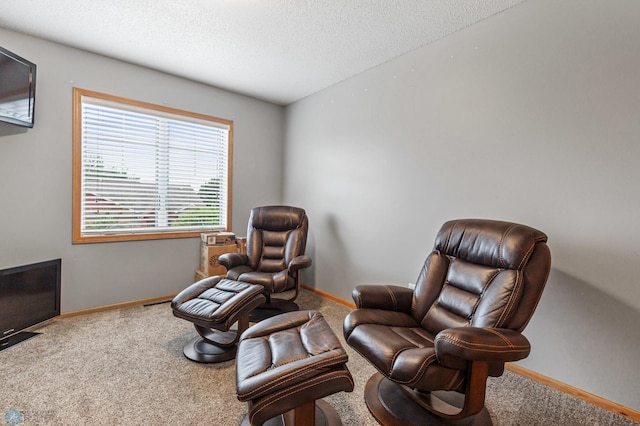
{"points": [[77, 193]]}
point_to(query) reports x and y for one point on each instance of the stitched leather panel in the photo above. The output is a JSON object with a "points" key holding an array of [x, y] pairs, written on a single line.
{"points": [[285, 350], [438, 318], [397, 352], [499, 301], [271, 265], [213, 299], [481, 344], [398, 347], [457, 301], [236, 273], [324, 384], [273, 282], [492, 243], [469, 276], [265, 279], [275, 238], [429, 284], [276, 218], [534, 278]]}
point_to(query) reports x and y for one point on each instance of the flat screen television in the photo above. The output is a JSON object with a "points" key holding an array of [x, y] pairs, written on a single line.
{"points": [[29, 295], [17, 89]]}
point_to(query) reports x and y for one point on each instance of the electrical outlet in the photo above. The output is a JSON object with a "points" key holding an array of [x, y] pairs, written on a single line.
{"points": [[412, 286]]}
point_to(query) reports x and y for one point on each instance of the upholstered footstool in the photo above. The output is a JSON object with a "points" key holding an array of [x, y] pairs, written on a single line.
{"points": [[213, 305], [285, 365]]}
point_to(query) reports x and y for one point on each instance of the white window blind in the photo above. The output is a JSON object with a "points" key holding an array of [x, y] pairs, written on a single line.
{"points": [[151, 171]]}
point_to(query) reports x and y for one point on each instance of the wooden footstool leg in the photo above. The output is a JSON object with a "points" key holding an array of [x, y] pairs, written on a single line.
{"points": [[305, 414]]}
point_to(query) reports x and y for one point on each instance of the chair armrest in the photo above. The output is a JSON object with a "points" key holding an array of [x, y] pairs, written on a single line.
{"points": [[232, 260], [387, 297], [493, 345], [299, 262]]}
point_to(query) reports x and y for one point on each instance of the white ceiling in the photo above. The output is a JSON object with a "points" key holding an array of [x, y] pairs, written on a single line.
{"points": [[276, 50]]}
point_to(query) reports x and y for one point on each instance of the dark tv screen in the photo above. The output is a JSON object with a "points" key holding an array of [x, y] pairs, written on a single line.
{"points": [[17, 89], [29, 295]]}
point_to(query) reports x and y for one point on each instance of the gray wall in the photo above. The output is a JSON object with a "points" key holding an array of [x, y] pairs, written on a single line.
{"points": [[35, 175], [530, 116]]}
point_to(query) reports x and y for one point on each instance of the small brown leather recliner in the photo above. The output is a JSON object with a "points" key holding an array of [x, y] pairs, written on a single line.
{"points": [[276, 242], [435, 346]]}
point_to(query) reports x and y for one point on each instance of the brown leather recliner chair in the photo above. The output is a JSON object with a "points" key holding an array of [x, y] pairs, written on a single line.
{"points": [[276, 242], [435, 346]]}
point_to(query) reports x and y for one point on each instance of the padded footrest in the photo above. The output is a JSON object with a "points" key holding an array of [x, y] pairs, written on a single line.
{"points": [[213, 305], [289, 360], [215, 302]]}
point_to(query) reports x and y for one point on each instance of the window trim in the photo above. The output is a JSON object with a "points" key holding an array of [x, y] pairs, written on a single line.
{"points": [[77, 237]]}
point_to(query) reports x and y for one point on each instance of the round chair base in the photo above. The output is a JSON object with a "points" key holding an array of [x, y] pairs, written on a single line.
{"points": [[199, 350], [389, 405], [326, 415]]}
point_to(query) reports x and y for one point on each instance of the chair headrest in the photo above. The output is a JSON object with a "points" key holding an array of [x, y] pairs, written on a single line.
{"points": [[488, 242], [277, 218]]}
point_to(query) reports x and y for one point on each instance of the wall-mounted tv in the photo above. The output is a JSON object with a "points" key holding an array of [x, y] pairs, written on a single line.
{"points": [[29, 295], [17, 89]]}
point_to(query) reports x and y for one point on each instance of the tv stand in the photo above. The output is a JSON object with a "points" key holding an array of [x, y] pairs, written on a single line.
{"points": [[16, 338]]}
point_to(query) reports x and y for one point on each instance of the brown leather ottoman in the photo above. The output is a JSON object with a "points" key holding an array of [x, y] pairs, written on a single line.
{"points": [[285, 364], [213, 305]]}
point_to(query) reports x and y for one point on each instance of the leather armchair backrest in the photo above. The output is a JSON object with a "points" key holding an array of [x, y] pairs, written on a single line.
{"points": [[482, 273], [276, 235]]}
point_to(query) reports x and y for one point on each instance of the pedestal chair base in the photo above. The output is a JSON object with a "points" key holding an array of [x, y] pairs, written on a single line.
{"points": [[390, 405]]}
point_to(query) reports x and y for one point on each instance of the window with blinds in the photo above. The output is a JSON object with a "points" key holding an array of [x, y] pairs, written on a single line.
{"points": [[145, 171]]}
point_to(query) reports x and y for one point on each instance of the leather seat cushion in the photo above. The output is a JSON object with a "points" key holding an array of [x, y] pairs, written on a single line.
{"points": [[273, 282], [399, 348]]}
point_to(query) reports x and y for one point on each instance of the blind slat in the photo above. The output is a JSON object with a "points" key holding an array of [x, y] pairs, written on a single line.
{"points": [[146, 172]]}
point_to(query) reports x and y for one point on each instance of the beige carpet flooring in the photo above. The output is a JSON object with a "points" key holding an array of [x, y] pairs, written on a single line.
{"points": [[125, 367]]}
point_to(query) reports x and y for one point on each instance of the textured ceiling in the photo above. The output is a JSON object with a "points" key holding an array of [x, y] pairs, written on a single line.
{"points": [[276, 50]]}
